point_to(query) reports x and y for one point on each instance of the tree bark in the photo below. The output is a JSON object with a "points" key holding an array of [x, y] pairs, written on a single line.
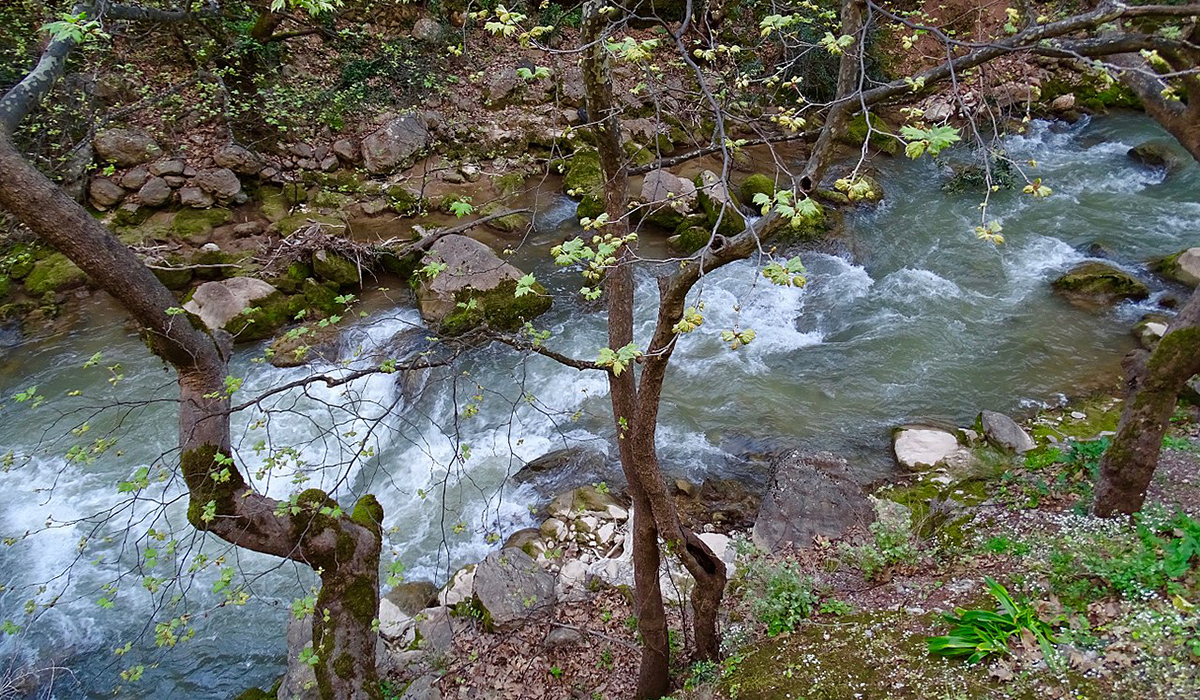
{"points": [[345, 550], [1153, 381]]}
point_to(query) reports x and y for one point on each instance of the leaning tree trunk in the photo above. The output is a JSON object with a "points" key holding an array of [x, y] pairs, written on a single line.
{"points": [[345, 550], [1153, 381]]}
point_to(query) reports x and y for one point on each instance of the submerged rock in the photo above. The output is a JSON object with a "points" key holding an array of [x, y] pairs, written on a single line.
{"points": [[810, 495], [1183, 267], [1095, 282], [1157, 155]]}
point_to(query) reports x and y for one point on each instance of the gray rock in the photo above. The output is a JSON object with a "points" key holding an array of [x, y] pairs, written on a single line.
{"points": [[512, 588], [346, 150], [135, 178], [395, 145], [175, 181], [217, 303], [167, 167], [472, 268], [423, 688], [247, 229], [500, 87], [104, 193], [427, 29], [1157, 154], [1003, 432], [810, 495], [561, 637], [300, 681], [125, 147], [194, 197], [560, 469], [436, 629], [155, 193], [670, 198], [238, 159], [222, 183]]}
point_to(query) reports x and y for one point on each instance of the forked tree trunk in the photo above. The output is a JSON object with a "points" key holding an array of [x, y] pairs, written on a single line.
{"points": [[1153, 382], [344, 549]]}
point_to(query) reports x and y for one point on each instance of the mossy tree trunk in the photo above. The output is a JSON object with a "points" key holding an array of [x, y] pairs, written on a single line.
{"points": [[1153, 382]]}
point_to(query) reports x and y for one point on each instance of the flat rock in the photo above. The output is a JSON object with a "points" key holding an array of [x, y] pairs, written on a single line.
{"points": [[395, 145], [810, 494], [125, 147], [217, 303], [222, 183]]}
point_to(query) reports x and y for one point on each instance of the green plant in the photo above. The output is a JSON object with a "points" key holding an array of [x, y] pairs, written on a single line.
{"points": [[1171, 442], [1003, 544], [702, 673], [978, 634], [891, 544], [556, 671], [833, 606], [787, 598]]}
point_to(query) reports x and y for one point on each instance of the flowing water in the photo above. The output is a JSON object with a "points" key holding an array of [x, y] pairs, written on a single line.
{"points": [[921, 322]]}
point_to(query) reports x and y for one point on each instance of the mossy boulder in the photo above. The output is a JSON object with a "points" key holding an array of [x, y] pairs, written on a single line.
{"points": [[318, 298], [290, 224], [249, 308], [690, 239], [273, 203], [583, 178], [196, 225], [1183, 267], [331, 199], [334, 268], [753, 185], [475, 288], [513, 223], [669, 199], [1157, 155], [719, 205], [173, 273], [1094, 283], [5, 286], [53, 273], [879, 134], [261, 320], [290, 280], [403, 200]]}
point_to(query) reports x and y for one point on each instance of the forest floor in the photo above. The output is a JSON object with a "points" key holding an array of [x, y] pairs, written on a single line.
{"points": [[849, 619]]}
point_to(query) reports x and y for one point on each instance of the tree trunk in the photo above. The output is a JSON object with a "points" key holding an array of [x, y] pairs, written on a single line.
{"points": [[1153, 382], [846, 101], [344, 549]]}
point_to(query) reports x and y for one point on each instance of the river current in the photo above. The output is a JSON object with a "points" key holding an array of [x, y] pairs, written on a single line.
{"points": [[918, 320]]}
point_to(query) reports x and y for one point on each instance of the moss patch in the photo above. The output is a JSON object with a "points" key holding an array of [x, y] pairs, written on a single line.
{"points": [[53, 273], [856, 132], [513, 223], [195, 225], [755, 184], [499, 308], [1100, 282], [268, 315]]}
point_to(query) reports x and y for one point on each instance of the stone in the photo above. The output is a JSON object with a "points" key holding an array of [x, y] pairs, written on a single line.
{"points": [[238, 159], [918, 448], [1183, 267], [585, 499], [528, 540], [1156, 154], [125, 147], [427, 29], [135, 178], [175, 181], [335, 268], [563, 637], [411, 597], [754, 185], [104, 193], [423, 688], [669, 198], [195, 197], [517, 223], [167, 167], [436, 629], [573, 574], [560, 469], [474, 272], [1063, 103], [810, 494], [501, 84], [512, 588], [247, 229], [300, 680], [1094, 282], [395, 145], [394, 624], [155, 193], [554, 529], [222, 183], [217, 303], [1003, 432], [347, 151], [720, 207], [1150, 329], [460, 587]]}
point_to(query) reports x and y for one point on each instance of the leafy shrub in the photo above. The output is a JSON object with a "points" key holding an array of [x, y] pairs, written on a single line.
{"points": [[978, 634], [787, 598], [892, 544]]}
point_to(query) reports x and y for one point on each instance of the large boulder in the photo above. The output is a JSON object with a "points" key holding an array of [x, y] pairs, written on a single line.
{"points": [[561, 469], [395, 145], [1003, 432], [476, 287], [218, 303], [1183, 266], [511, 588], [300, 680], [669, 198], [719, 204], [427, 29], [125, 147], [810, 495], [104, 193], [1095, 282], [335, 268]]}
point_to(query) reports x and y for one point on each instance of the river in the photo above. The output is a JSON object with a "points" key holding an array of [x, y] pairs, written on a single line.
{"points": [[922, 321]]}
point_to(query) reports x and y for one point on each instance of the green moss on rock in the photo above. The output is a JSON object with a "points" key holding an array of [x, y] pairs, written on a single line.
{"points": [[1100, 282], [273, 203], [856, 132], [513, 223], [334, 268], [195, 225], [53, 273], [498, 307], [261, 321], [755, 184], [290, 224]]}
